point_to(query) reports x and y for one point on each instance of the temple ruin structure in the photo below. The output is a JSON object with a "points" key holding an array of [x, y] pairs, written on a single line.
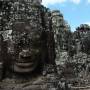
{"points": [[62, 35]]}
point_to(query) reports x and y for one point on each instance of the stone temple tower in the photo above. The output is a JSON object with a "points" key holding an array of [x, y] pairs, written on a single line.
{"points": [[61, 35], [57, 18]]}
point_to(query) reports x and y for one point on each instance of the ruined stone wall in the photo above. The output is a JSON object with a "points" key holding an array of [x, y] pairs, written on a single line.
{"points": [[81, 37]]}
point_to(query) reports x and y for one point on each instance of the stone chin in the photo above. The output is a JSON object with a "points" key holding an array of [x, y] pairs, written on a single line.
{"points": [[24, 67]]}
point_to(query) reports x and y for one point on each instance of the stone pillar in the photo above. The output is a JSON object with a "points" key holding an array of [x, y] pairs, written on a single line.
{"points": [[61, 30]]}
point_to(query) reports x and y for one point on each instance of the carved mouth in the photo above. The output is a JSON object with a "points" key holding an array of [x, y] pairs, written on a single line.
{"points": [[23, 69], [24, 65]]}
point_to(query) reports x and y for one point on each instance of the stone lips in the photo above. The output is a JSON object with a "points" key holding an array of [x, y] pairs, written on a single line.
{"points": [[24, 67]]}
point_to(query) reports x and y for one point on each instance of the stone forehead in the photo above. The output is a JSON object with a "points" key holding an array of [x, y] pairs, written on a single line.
{"points": [[24, 26]]}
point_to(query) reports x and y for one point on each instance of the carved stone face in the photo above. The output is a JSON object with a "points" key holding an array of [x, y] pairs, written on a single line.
{"points": [[27, 48]]}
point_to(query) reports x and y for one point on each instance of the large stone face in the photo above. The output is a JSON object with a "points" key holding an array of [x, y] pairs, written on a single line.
{"points": [[27, 47], [31, 34]]}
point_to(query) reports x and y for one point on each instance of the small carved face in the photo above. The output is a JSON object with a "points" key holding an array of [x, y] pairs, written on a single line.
{"points": [[27, 48]]}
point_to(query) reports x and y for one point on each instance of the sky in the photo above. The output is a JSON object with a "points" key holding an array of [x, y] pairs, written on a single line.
{"points": [[76, 12]]}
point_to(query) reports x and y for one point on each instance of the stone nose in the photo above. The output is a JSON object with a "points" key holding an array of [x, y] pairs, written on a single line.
{"points": [[25, 53]]}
